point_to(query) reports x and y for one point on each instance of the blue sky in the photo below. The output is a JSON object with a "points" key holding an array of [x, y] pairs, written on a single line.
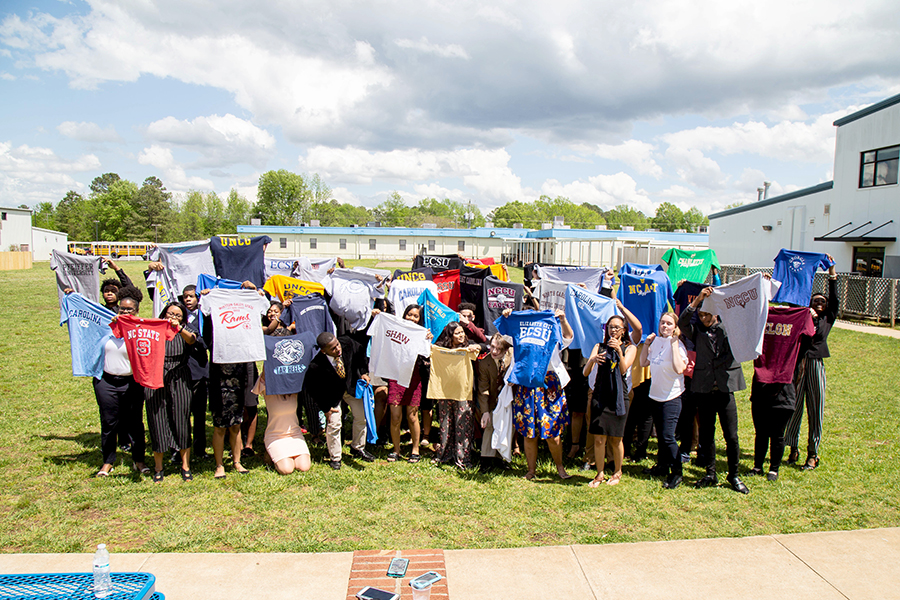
{"points": [[602, 102]]}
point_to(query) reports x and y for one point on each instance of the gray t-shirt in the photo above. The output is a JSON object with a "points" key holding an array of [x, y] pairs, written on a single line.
{"points": [[498, 296], [81, 273], [185, 261], [743, 307]]}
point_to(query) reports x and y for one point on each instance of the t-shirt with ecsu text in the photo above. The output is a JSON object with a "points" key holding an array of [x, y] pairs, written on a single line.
{"points": [[89, 330], [796, 271], [145, 342], [287, 360], [646, 297], [536, 335], [639, 269], [743, 307], [781, 343], [79, 273], [396, 343], [237, 328], [437, 262], [691, 265], [447, 283], [241, 259], [498, 296]]}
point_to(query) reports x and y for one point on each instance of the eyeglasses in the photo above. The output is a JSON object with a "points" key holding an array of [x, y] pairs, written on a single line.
{"points": [[125, 310], [615, 327], [176, 315]]}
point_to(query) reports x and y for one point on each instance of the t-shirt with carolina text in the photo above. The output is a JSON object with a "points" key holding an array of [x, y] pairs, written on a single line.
{"points": [[587, 313], [396, 343], [403, 293], [145, 341], [743, 307], [88, 324], [535, 335], [237, 328], [781, 343]]}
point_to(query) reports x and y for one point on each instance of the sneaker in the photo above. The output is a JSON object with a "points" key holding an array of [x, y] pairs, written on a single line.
{"points": [[772, 476]]}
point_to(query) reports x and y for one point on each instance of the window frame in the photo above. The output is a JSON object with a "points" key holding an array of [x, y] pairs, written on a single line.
{"points": [[402, 245], [875, 162], [431, 245], [282, 242], [461, 246], [342, 243], [313, 243], [373, 244]]}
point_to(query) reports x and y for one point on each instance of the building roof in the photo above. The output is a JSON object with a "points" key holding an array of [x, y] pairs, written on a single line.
{"points": [[477, 232], [874, 108], [615, 234], [49, 231], [28, 210], [769, 201]]}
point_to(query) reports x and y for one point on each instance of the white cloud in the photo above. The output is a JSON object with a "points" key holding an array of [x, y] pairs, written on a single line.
{"points": [[636, 154], [423, 45], [7, 76], [88, 132], [439, 192], [345, 196], [222, 140], [607, 191], [498, 16], [172, 173], [29, 175], [694, 168]]}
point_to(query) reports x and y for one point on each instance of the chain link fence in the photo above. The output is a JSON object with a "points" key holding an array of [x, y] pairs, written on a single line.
{"points": [[869, 297]]}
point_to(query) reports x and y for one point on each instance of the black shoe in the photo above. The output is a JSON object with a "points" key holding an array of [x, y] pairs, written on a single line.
{"points": [[811, 463], [656, 471], [335, 464], [362, 454], [738, 485], [755, 472], [501, 464], [673, 482], [158, 476], [772, 476], [485, 467], [794, 456], [707, 481]]}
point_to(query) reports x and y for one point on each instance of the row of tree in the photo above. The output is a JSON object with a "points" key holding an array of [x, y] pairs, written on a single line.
{"points": [[119, 210]]}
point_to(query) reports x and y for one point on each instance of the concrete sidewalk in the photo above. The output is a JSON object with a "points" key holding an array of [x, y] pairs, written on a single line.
{"points": [[873, 329], [816, 566]]}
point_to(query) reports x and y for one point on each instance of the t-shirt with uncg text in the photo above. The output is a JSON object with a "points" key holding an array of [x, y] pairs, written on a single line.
{"points": [[423, 274], [145, 341], [447, 283], [536, 335], [692, 265], [498, 296], [781, 343], [89, 330], [241, 259], [287, 360], [237, 328], [286, 287], [743, 307], [79, 273], [396, 343], [308, 313], [646, 297], [640, 270], [796, 271]]}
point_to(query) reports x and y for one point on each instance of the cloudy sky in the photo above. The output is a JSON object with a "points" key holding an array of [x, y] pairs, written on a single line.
{"points": [[606, 102]]}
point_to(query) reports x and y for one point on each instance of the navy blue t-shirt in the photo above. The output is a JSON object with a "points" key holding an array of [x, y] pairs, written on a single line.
{"points": [[240, 259], [686, 293], [287, 360], [308, 313]]}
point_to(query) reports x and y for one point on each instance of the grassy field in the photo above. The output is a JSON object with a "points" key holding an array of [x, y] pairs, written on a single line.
{"points": [[49, 501]]}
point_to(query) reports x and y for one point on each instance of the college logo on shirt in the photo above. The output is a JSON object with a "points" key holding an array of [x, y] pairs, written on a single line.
{"points": [[741, 299], [78, 269], [354, 286], [796, 263], [289, 353], [643, 288], [501, 297], [583, 300], [231, 319], [690, 262], [84, 323], [779, 328], [396, 336], [536, 333], [435, 261]]}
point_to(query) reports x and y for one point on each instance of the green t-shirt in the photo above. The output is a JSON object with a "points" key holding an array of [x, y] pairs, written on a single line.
{"points": [[692, 265]]}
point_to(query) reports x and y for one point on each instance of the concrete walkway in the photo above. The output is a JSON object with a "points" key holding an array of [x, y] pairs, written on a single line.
{"points": [[885, 331], [816, 566]]}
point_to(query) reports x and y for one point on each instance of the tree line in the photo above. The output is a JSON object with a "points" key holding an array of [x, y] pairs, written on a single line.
{"points": [[119, 210]]}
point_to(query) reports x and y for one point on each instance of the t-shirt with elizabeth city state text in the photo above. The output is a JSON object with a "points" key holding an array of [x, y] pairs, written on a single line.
{"points": [[237, 328], [145, 342], [535, 334]]}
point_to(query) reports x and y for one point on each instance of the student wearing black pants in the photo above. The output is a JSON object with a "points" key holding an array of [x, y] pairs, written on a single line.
{"points": [[715, 379], [198, 364], [772, 405]]}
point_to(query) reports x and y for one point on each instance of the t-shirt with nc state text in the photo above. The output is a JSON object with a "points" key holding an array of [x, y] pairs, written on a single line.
{"points": [[447, 283], [308, 313], [647, 298], [781, 343], [145, 341], [692, 265], [587, 313], [796, 271], [287, 360], [396, 343], [89, 330], [79, 273], [436, 315], [498, 296], [236, 324], [535, 335], [743, 307], [241, 259]]}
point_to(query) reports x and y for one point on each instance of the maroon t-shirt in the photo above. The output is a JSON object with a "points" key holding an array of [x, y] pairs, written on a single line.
{"points": [[781, 344]]}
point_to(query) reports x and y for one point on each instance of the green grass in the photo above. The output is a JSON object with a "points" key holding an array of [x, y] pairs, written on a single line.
{"points": [[49, 437]]}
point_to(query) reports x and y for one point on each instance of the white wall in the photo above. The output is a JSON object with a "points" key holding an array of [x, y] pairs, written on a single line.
{"points": [[386, 246], [43, 241], [15, 230]]}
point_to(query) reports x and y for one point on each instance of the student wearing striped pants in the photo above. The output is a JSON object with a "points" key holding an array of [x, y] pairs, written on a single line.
{"points": [[809, 378]]}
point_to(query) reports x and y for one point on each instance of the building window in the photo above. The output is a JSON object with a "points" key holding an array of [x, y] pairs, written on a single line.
{"points": [[282, 242], [313, 243], [868, 260], [342, 243], [403, 245], [3, 217], [371, 244], [430, 245], [461, 245], [879, 167]]}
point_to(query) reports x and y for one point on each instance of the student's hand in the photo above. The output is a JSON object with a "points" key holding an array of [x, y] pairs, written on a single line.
{"points": [[248, 285], [463, 320], [287, 302], [619, 305], [705, 293], [831, 271], [581, 285], [155, 266], [204, 292], [474, 348], [506, 312], [340, 262], [67, 291], [486, 420], [429, 336], [614, 344], [650, 339], [600, 359], [331, 270], [376, 311], [365, 377], [560, 314], [111, 264], [766, 276], [609, 275], [174, 321]]}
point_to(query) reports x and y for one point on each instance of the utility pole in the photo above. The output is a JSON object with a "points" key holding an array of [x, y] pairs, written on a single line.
{"points": [[156, 229]]}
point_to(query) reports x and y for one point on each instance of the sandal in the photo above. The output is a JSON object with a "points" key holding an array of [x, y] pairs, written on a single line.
{"points": [[414, 458], [596, 481], [145, 470], [811, 463], [102, 473], [186, 475], [393, 457], [158, 476], [614, 480], [794, 456]]}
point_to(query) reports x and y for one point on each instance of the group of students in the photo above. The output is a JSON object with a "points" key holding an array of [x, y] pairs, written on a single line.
{"points": [[501, 372]]}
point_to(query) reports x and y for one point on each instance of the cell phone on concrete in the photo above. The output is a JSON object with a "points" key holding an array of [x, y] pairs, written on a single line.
{"points": [[398, 567], [423, 581], [372, 593]]}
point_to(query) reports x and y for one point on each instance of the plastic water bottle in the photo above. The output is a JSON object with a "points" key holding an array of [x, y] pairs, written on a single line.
{"points": [[102, 580]]}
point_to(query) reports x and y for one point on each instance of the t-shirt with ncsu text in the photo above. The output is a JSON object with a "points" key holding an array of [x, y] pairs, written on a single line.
{"points": [[781, 343], [237, 328], [396, 343], [145, 342]]}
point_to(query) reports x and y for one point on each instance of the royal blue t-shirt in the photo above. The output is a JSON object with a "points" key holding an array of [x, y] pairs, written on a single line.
{"points": [[639, 270], [796, 270], [88, 332], [308, 313], [240, 259], [535, 336], [287, 360], [587, 314], [437, 314], [647, 298]]}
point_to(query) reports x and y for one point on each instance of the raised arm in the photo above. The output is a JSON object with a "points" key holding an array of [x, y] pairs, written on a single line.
{"points": [[636, 329]]}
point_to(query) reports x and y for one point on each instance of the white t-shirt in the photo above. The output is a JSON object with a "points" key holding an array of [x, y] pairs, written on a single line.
{"points": [[352, 294], [665, 383], [115, 357], [184, 262], [403, 293], [237, 329], [551, 294], [396, 343], [589, 276], [743, 307]]}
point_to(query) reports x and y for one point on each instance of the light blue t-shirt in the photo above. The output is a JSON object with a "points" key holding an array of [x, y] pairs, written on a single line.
{"points": [[587, 314], [535, 334], [796, 270], [437, 315], [88, 332], [647, 298]]}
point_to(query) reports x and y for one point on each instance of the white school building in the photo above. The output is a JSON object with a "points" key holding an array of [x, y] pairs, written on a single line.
{"points": [[855, 217]]}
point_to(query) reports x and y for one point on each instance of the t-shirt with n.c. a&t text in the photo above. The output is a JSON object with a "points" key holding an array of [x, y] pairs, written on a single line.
{"points": [[145, 341]]}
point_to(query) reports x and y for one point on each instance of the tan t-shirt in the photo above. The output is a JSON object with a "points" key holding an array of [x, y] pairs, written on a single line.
{"points": [[452, 376]]}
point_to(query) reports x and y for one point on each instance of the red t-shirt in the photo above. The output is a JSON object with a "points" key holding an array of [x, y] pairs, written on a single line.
{"points": [[448, 287], [145, 342], [781, 344]]}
